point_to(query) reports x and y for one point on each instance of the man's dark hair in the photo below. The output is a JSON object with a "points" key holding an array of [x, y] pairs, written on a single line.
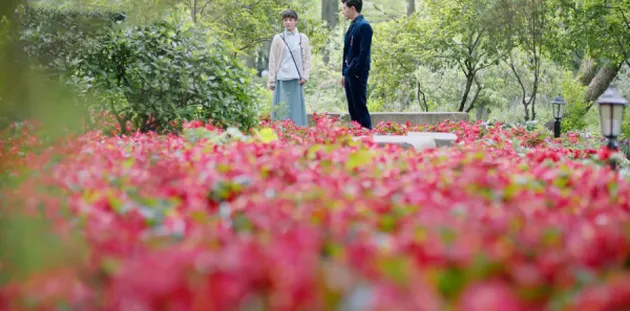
{"points": [[289, 14], [357, 4]]}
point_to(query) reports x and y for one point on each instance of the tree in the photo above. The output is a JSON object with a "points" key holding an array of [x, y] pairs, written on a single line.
{"points": [[461, 35], [197, 8], [394, 62], [330, 9], [600, 30], [525, 25], [244, 24], [411, 7], [140, 12], [330, 15]]}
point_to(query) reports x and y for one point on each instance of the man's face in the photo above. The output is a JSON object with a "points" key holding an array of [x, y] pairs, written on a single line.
{"points": [[289, 23], [348, 12]]}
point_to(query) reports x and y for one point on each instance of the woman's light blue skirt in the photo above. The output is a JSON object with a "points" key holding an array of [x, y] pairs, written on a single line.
{"points": [[288, 102]]}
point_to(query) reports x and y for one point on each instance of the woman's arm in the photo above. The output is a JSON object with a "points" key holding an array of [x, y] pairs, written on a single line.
{"points": [[271, 76]]}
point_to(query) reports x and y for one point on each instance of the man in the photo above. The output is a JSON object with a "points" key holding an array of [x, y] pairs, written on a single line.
{"points": [[356, 62]]}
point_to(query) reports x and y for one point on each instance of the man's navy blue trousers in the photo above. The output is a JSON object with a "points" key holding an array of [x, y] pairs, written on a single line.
{"points": [[356, 67], [356, 93]]}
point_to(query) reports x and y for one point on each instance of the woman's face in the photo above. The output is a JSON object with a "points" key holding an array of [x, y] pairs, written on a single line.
{"points": [[289, 23]]}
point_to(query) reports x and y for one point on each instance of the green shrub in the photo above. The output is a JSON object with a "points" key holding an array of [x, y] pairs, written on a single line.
{"points": [[170, 72], [576, 108], [625, 125], [154, 76], [58, 39]]}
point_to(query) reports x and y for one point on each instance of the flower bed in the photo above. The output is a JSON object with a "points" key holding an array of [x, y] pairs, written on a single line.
{"points": [[308, 219]]}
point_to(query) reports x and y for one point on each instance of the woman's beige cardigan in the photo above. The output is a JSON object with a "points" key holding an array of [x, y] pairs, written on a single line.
{"points": [[275, 58]]}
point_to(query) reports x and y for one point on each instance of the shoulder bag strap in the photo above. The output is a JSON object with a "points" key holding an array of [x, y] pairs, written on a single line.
{"points": [[293, 58]]}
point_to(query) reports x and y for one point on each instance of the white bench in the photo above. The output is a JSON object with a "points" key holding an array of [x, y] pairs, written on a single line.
{"points": [[416, 140], [441, 139], [417, 143]]}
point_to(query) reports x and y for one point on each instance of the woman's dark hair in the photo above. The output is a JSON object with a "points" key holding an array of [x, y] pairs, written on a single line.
{"points": [[289, 14], [357, 4]]}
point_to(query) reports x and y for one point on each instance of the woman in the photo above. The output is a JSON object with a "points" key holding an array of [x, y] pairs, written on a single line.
{"points": [[289, 69]]}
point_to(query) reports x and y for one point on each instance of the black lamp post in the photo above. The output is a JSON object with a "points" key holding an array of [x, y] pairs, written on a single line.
{"points": [[558, 109], [611, 108]]}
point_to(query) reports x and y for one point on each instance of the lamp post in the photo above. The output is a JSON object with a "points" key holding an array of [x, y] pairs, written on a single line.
{"points": [[611, 108], [558, 109]]}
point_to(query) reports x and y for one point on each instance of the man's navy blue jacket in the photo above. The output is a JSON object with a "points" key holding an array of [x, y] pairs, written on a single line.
{"points": [[356, 48]]}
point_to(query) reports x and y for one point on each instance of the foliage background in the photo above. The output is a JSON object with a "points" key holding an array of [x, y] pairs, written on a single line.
{"points": [[427, 55]]}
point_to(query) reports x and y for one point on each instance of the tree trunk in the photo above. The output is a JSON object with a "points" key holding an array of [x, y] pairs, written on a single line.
{"points": [[330, 15], [526, 106], [482, 113], [600, 83], [423, 102], [537, 64], [262, 62], [470, 78], [475, 97], [250, 60], [533, 104], [588, 70], [411, 7], [329, 12], [193, 10]]}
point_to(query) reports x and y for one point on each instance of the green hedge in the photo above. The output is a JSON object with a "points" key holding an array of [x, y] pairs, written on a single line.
{"points": [[154, 76]]}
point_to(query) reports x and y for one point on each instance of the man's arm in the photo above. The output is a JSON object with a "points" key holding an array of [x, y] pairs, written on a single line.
{"points": [[343, 56], [361, 64]]}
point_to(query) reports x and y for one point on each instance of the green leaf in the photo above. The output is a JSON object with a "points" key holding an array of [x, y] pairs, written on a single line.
{"points": [[451, 282], [396, 269], [359, 158], [128, 163], [267, 135]]}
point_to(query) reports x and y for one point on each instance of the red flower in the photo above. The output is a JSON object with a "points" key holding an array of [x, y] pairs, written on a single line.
{"points": [[489, 296], [605, 153]]}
